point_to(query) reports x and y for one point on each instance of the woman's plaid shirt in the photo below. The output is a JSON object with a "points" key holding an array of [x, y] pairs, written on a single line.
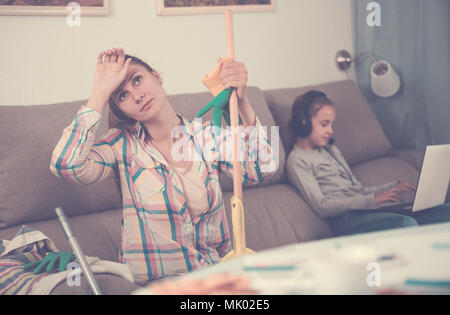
{"points": [[159, 236]]}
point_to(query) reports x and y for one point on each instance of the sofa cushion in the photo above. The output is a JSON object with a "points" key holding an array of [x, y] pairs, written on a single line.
{"points": [[357, 132], [28, 190], [282, 219], [383, 170], [98, 233], [109, 284], [189, 105], [412, 157]]}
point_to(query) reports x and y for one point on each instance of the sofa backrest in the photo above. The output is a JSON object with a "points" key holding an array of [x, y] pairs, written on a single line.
{"points": [[357, 132], [28, 135], [28, 190]]}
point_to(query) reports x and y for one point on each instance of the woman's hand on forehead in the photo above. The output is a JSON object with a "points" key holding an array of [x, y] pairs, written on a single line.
{"points": [[111, 70]]}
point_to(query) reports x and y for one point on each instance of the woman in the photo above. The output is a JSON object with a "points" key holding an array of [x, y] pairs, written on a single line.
{"points": [[173, 213], [319, 171]]}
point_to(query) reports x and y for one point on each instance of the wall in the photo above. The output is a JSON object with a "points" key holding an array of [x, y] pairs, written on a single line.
{"points": [[43, 60]]}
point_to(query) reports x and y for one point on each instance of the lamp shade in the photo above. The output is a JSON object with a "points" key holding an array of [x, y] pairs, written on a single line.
{"points": [[384, 81]]}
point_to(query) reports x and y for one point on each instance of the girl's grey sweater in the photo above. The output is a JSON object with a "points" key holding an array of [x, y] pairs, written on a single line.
{"points": [[325, 180]]}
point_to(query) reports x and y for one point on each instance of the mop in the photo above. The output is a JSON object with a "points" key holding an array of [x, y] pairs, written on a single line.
{"points": [[226, 99]]}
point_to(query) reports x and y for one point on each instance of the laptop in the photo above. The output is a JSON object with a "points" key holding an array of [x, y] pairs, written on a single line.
{"points": [[433, 182]]}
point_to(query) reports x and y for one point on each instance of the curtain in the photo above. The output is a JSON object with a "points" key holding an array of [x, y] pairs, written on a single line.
{"points": [[414, 37]]}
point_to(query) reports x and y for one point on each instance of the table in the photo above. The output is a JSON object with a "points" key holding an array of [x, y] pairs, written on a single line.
{"points": [[408, 260]]}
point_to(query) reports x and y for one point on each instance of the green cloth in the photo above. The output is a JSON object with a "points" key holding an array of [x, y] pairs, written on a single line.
{"points": [[221, 108], [49, 262]]}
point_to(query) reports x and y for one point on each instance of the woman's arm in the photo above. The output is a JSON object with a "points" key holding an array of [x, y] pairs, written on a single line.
{"points": [[257, 158], [246, 112], [301, 176], [78, 156]]}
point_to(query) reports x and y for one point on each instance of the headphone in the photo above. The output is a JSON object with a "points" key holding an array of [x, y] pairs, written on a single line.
{"points": [[301, 122]]}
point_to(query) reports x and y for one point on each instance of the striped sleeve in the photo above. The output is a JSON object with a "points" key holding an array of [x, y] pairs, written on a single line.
{"points": [[78, 156]]}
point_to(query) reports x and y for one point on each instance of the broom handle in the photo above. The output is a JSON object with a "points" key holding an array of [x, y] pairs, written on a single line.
{"points": [[234, 110]]}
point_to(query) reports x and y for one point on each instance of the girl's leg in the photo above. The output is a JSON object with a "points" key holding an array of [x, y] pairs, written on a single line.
{"points": [[355, 223], [438, 214]]}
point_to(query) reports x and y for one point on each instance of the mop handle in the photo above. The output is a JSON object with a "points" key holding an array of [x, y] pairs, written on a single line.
{"points": [[234, 110], [230, 33], [77, 251]]}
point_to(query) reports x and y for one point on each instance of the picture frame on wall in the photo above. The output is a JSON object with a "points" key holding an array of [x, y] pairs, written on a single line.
{"points": [[191, 7], [54, 7]]}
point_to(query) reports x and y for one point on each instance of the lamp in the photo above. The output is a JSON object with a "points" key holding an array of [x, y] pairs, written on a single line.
{"points": [[384, 81]]}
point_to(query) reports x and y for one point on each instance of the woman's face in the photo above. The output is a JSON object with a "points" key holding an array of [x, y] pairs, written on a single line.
{"points": [[141, 95], [322, 126]]}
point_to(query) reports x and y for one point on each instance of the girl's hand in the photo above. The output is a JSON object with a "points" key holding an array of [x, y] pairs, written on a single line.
{"points": [[391, 195], [234, 75], [110, 72], [404, 187]]}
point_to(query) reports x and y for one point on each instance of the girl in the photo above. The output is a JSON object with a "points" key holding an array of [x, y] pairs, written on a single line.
{"points": [[173, 213], [319, 171]]}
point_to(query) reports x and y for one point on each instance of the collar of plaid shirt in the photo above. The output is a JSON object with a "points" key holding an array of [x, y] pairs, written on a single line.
{"points": [[140, 132]]}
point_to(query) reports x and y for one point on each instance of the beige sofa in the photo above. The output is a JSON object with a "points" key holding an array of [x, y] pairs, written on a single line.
{"points": [[275, 213]]}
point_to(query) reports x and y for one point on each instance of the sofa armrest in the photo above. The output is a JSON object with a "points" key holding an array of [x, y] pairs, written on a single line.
{"points": [[412, 157]]}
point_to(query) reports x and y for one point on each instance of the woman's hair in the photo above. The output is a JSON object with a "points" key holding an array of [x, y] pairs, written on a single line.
{"points": [[117, 118], [304, 108]]}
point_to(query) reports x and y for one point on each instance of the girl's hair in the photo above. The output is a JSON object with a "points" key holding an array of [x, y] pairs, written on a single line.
{"points": [[117, 118], [304, 108]]}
